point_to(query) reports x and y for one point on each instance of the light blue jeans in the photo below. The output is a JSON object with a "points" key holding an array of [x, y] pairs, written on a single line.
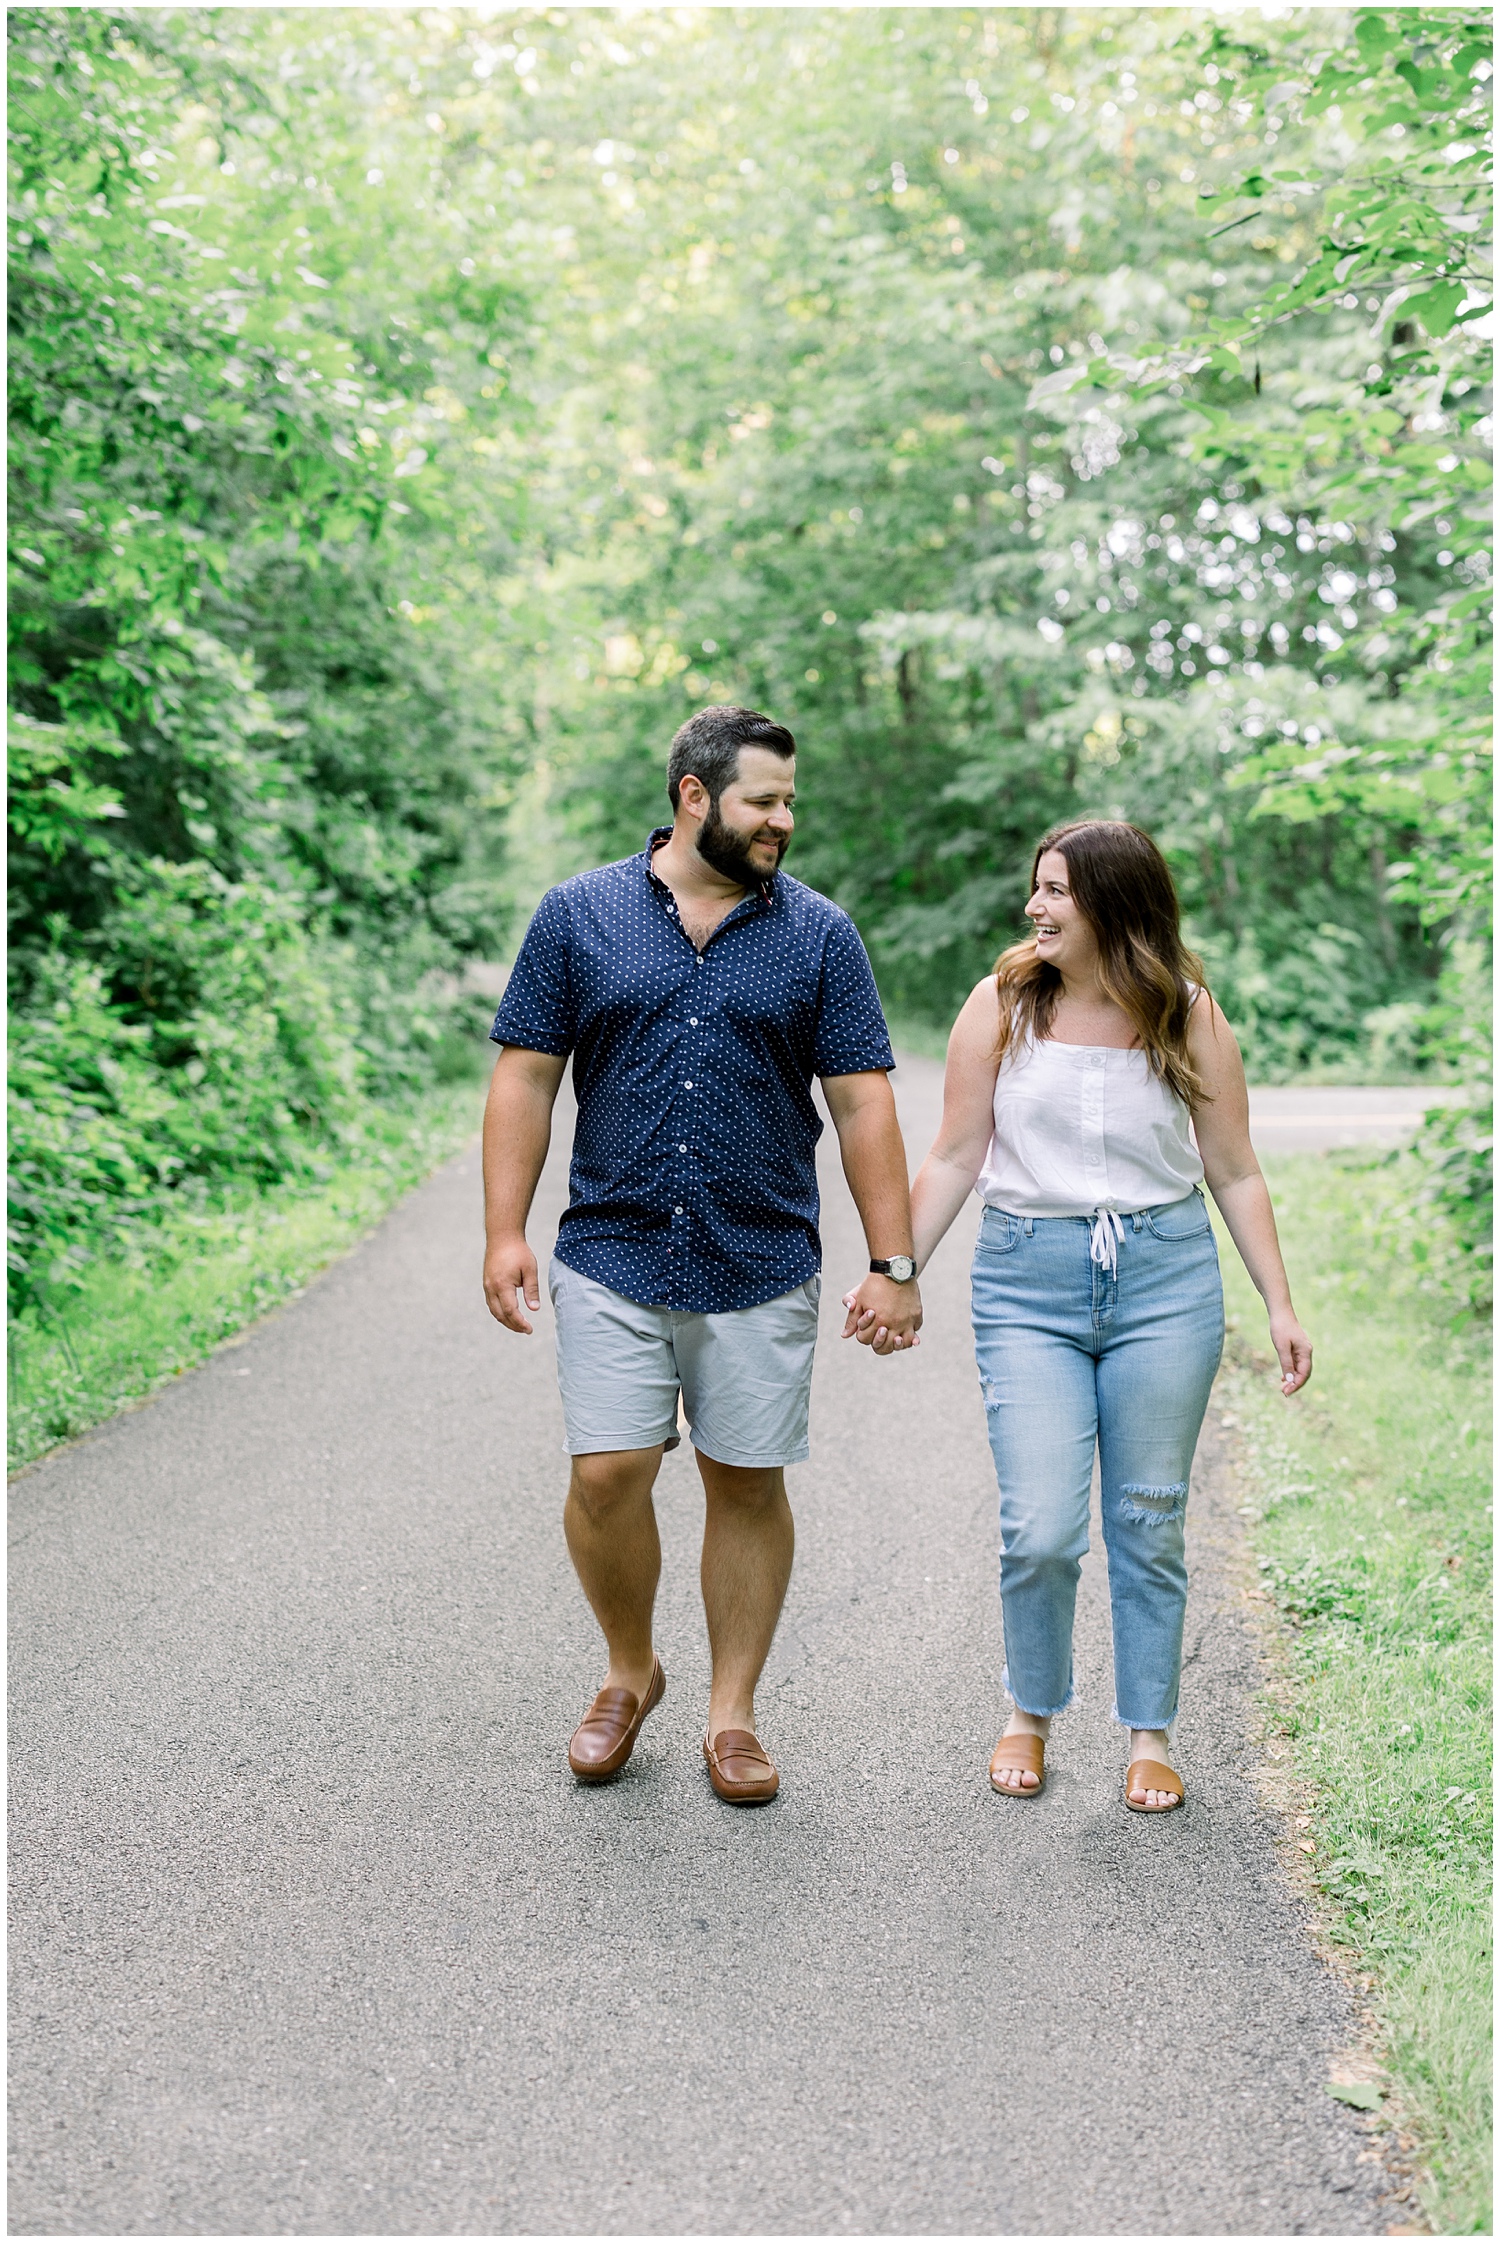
{"points": [[1072, 1354]]}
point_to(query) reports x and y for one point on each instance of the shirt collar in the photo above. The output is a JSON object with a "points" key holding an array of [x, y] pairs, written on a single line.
{"points": [[762, 897]]}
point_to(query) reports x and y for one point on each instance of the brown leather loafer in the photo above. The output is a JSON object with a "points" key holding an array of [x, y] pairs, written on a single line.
{"points": [[739, 1768], [605, 1738]]}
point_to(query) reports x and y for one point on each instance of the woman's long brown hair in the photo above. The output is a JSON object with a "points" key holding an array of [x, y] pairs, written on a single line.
{"points": [[1120, 882]]}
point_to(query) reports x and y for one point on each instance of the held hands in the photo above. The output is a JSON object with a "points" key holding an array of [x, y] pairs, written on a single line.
{"points": [[1293, 1351], [510, 1283], [883, 1315]]}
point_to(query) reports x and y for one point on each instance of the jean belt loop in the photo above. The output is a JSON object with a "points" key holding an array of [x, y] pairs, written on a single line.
{"points": [[1136, 1222], [1030, 1228]]}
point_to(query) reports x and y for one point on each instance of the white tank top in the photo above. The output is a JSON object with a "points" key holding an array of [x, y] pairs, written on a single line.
{"points": [[1082, 1130]]}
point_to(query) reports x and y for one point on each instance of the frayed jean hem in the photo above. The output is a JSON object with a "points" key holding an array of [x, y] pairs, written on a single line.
{"points": [[1119, 1719], [1034, 1713]]}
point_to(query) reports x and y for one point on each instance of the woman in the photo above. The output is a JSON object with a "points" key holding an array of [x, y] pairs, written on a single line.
{"points": [[1079, 1074]]}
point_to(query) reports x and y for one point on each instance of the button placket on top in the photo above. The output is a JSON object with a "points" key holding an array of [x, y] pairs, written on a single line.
{"points": [[679, 1244], [668, 904], [693, 1022], [1091, 1093], [690, 1085]]}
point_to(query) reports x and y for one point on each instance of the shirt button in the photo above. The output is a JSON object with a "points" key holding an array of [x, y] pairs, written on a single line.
{"points": [[677, 1211], [687, 1086], [682, 1148], [1097, 1059], [692, 1024]]}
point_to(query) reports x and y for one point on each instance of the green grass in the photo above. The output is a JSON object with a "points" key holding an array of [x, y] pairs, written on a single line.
{"points": [[1371, 1519], [201, 1276]]}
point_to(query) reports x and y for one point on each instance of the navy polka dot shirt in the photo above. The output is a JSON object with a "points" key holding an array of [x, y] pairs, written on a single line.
{"points": [[693, 1182]]}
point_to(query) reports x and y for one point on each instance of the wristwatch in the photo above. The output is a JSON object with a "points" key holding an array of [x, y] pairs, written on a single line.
{"points": [[900, 1269]]}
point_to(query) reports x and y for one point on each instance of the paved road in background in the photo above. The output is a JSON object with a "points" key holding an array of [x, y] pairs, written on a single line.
{"points": [[315, 1935], [1308, 1118]]}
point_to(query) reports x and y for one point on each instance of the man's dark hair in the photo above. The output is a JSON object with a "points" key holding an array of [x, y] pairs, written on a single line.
{"points": [[708, 746]]}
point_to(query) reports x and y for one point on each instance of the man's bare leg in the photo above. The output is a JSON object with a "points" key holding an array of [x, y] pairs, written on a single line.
{"points": [[610, 1522], [748, 1540]]}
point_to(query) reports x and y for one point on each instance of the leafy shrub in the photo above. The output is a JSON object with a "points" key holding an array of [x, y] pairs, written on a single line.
{"points": [[89, 1154], [1456, 1147], [221, 1052]]}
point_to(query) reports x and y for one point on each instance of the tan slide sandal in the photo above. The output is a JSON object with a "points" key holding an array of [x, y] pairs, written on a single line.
{"points": [[1152, 1775], [1019, 1751]]}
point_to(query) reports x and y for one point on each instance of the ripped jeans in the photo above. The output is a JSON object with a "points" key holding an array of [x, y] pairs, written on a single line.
{"points": [[1070, 1354]]}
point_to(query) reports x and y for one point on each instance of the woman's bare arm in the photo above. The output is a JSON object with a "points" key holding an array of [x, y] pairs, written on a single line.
{"points": [[1221, 1123], [951, 1169]]}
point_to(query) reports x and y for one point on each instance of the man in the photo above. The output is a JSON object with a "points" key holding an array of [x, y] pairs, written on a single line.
{"points": [[699, 989]]}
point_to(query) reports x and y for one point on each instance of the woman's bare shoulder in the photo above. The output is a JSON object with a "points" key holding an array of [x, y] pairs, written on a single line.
{"points": [[1206, 1018], [973, 1055], [981, 1011], [1213, 1046]]}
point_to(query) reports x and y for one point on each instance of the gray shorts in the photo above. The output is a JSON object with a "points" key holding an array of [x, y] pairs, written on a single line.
{"points": [[744, 1374]]}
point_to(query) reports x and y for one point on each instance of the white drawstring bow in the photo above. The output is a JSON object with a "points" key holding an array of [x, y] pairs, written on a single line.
{"points": [[1104, 1240]]}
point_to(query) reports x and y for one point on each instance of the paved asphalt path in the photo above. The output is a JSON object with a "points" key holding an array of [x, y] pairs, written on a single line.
{"points": [[314, 1933], [1313, 1118]]}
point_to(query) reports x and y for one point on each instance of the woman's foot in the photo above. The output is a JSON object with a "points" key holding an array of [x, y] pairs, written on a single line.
{"points": [[1018, 1775], [1151, 1744]]}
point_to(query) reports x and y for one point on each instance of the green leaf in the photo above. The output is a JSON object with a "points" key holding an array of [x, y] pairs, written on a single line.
{"points": [[1436, 307], [1359, 2094], [1375, 36], [1397, 113]]}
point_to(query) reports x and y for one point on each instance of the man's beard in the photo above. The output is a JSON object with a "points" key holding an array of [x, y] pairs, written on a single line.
{"points": [[720, 846]]}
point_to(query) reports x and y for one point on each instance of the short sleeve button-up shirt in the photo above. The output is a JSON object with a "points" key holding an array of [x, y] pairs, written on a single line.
{"points": [[694, 1182]]}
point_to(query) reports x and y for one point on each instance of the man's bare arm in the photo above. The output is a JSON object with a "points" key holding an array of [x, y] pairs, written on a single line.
{"points": [[517, 1132], [887, 1316]]}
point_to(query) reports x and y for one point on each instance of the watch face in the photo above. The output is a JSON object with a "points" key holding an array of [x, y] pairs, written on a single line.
{"points": [[902, 1268]]}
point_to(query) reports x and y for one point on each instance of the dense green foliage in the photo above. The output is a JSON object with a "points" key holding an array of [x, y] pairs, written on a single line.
{"points": [[253, 814], [834, 475], [416, 414], [1405, 219], [1372, 1525]]}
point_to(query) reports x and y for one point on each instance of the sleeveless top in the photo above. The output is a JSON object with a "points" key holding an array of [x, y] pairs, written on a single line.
{"points": [[1082, 1130]]}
